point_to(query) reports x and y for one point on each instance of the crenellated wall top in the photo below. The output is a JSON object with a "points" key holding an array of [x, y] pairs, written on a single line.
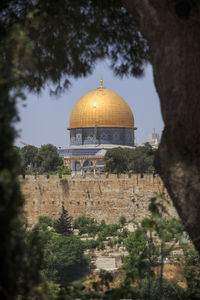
{"points": [[137, 178]]}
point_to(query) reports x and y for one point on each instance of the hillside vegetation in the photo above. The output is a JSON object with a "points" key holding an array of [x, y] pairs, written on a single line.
{"points": [[155, 248]]}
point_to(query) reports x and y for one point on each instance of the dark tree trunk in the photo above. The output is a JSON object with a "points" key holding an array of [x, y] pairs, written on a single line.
{"points": [[172, 29]]}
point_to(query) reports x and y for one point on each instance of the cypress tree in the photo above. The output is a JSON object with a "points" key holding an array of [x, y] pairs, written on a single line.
{"points": [[63, 224]]}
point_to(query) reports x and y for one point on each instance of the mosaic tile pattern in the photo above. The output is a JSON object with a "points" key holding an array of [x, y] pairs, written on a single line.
{"points": [[102, 135]]}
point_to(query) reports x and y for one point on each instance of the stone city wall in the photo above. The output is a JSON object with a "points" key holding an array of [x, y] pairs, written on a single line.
{"points": [[97, 196]]}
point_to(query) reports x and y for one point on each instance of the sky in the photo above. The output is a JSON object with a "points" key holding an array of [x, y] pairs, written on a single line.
{"points": [[45, 118]]}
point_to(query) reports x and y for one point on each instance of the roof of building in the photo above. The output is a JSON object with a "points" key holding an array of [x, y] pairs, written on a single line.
{"points": [[101, 108]]}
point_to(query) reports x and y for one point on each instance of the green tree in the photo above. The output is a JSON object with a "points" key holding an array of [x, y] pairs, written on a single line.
{"points": [[64, 224], [15, 277], [48, 159], [26, 266], [29, 156], [192, 273], [141, 160], [64, 259], [143, 256], [138, 160], [45, 290], [167, 230], [18, 154], [148, 246], [116, 160], [32, 261]]}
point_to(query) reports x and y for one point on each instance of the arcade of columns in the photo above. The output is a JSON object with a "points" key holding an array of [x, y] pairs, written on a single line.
{"points": [[81, 159]]}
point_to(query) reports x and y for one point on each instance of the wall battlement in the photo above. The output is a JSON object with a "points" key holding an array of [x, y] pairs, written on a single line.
{"points": [[99, 197]]}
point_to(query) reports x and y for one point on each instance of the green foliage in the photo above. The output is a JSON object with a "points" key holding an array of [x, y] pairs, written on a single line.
{"points": [[18, 154], [19, 265], [48, 159], [102, 290], [102, 232], [105, 278], [29, 156], [86, 225], [45, 290], [47, 51], [122, 160], [192, 273], [122, 220], [64, 224], [33, 259], [148, 247], [141, 160], [61, 170], [41, 160], [90, 244], [136, 263], [171, 290], [123, 234], [101, 245], [44, 222], [166, 229], [108, 230], [25, 266], [64, 259], [116, 161], [110, 243]]}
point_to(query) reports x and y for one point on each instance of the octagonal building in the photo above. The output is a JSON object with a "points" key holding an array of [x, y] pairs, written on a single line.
{"points": [[99, 121]]}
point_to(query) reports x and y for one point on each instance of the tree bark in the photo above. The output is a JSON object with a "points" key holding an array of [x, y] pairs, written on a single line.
{"points": [[173, 35]]}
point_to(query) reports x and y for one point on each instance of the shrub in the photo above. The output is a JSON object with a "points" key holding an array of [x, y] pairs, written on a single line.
{"points": [[90, 244], [122, 220], [101, 246], [44, 222], [86, 225], [110, 243]]}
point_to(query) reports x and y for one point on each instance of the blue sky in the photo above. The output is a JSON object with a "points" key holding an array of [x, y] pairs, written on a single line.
{"points": [[45, 118]]}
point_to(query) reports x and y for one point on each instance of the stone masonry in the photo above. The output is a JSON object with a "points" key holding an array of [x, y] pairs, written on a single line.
{"points": [[99, 197]]}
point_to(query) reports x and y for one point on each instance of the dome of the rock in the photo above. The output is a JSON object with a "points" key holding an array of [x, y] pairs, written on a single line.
{"points": [[101, 117], [101, 108], [101, 120]]}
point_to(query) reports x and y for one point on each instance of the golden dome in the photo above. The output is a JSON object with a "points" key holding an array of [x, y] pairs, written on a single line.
{"points": [[102, 108]]}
